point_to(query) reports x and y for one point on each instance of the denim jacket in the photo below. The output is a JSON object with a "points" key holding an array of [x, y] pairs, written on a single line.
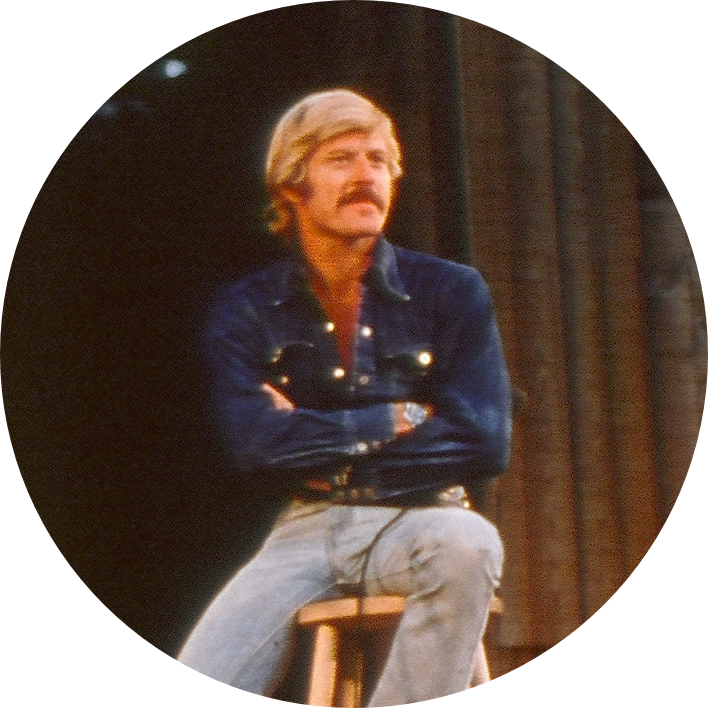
{"points": [[427, 334]]}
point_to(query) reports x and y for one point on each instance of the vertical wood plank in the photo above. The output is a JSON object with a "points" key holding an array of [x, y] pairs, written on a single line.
{"points": [[619, 251], [487, 127], [677, 326], [546, 428], [599, 535]]}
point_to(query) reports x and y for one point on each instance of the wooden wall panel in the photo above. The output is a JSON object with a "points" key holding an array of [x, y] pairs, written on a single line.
{"points": [[603, 324], [487, 125]]}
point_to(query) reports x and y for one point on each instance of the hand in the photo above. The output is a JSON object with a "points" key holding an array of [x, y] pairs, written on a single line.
{"points": [[401, 424], [279, 401]]}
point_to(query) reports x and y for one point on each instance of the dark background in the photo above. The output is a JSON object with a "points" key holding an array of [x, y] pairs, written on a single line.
{"points": [[133, 309], [154, 206]]}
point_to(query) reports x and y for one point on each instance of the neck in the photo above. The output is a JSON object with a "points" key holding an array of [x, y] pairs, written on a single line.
{"points": [[337, 265]]}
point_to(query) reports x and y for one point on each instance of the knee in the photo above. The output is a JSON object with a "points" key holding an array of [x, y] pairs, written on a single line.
{"points": [[464, 544]]}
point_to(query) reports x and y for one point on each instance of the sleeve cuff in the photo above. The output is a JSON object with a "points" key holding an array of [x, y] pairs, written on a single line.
{"points": [[372, 427]]}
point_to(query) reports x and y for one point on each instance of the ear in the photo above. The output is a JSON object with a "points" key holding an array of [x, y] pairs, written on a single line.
{"points": [[292, 195]]}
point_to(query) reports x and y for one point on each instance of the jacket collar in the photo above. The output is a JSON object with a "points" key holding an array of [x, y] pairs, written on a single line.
{"points": [[290, 279]]}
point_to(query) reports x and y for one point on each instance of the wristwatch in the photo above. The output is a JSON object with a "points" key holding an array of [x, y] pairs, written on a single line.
{"points": [[414, 413]]}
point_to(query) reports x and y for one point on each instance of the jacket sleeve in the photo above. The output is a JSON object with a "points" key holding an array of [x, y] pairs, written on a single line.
{"points": [[256, 434], [469, 391]]}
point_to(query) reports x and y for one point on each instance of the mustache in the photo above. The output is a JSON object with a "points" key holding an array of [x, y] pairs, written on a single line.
{"points": [[362, 194]]}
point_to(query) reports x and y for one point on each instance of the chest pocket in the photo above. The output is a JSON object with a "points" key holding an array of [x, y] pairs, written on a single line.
{"points": [[298, 369], [406, 372]]}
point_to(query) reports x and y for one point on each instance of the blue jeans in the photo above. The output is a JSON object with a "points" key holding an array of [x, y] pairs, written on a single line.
{"points": [[445, 560]]}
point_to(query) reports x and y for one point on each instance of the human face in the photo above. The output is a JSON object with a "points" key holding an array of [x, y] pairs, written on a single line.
{"points": [[347, 191]]}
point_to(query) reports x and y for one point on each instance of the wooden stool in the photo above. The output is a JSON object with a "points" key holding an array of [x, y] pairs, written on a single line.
{"points": [[339, 661]]}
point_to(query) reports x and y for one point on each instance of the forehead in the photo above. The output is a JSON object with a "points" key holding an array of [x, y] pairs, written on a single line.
{"points": [[355, 140]]}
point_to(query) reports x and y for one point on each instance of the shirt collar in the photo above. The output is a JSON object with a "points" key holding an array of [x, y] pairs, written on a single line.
{"points": [[383, 274], [291, 280]]}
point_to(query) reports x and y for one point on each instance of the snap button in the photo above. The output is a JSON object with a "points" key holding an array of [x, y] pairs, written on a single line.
{"points": [[338, 373], [329, 327], [366, 331], [364, 380], [425, 358]]}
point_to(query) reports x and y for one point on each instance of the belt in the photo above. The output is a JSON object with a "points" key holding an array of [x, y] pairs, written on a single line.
{"points": [[335, 489]]}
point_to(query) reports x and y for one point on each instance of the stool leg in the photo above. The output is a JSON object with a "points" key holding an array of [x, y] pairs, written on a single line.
{"points": [[350, 680], [480, 671], [323, 676]]}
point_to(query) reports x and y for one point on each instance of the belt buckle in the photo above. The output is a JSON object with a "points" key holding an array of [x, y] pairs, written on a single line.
{"points": [[344, 494], [338, 490], [355, 495], [453, 496]]}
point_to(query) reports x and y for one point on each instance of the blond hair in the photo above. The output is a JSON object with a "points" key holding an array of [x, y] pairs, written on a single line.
{"points": [[303, 128]]}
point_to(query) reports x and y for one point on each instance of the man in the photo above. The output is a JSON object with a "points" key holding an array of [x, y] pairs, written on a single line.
{"points": [[367, 382]]}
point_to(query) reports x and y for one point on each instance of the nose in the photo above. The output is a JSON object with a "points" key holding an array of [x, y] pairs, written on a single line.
{"points": [[363, 169]]}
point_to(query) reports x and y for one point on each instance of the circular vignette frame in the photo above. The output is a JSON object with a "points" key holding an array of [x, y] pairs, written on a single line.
{"points": [[138, 226]]}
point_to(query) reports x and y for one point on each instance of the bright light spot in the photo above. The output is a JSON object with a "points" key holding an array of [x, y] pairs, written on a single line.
{"points": [[173, 68]]}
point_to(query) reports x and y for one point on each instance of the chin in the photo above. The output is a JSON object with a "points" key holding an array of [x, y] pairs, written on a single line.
{"points": [[364, 228], [353, 234]]}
